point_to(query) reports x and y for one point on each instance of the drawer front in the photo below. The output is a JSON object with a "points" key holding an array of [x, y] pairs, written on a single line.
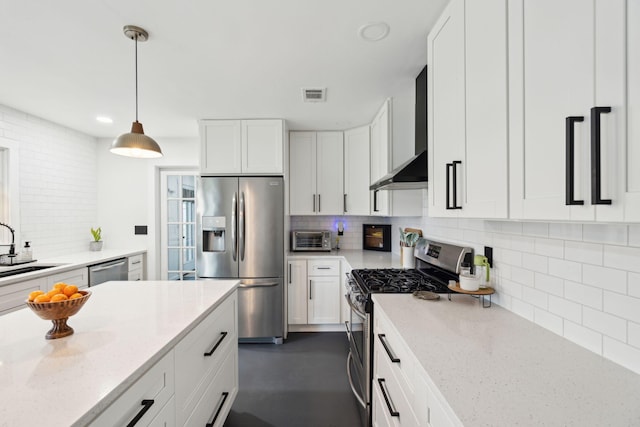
{"points": [[13, 297], [135, 262], [79, 277], [166, 417], [385, 382], [213, 336], [156, 386], [216, 401], [380, 416], [389, 348], [323, 267], [135, 275]]}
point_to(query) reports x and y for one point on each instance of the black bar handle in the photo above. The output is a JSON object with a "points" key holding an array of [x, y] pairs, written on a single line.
{"points": [[375, 200], [391, 354], [220, 406], [146, 405], [390, 407], [596, 166], [310, 290], [344, 203], [314, 202], [319, 209], [570, 171], [448, 186], [289, 273], [455, 184], [217, 344]]}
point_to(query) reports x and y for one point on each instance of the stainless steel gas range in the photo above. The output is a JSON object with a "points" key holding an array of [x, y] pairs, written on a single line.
{"points": [[436, 264]]}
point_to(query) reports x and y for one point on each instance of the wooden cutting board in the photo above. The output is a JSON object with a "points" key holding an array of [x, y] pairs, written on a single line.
{"points": [[413, 230]]}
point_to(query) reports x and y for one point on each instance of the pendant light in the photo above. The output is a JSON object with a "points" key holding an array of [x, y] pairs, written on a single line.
{"points": [[136, 143]]}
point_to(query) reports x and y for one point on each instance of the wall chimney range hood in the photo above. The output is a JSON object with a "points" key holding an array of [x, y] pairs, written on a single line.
{"points": [[412, 174]]}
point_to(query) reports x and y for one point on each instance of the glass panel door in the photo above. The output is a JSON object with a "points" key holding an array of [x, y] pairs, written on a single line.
{"points": [[178, 225]]}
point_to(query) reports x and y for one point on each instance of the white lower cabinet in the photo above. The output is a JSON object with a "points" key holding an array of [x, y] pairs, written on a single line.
{"points": [[78, 277], [403, 394], [166, 417], [144, 400], [12, 297], [314, 292], [135, 266]]}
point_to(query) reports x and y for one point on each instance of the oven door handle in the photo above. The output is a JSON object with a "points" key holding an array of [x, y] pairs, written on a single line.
{"points": [[346, 326], [355, 309], [353, 388]]}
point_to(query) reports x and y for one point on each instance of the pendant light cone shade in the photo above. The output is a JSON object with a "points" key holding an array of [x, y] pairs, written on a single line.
{"points": [[136, 143]]}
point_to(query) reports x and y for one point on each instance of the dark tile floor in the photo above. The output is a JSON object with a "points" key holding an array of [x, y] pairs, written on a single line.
{"points": [[301, 383]]}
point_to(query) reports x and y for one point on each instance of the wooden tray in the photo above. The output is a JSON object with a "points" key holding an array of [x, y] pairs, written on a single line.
{"points": [[485, 291]]}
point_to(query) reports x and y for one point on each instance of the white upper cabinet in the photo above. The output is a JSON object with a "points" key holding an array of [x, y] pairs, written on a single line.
{"points": [[381, 159], [316, 176], [573, 84], [467, 107], [356, 171], [241, 146]]}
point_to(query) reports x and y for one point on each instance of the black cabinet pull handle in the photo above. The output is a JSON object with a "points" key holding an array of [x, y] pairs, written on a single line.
{"points": [[314, 202], [448, 186], [310, 292], [217, 344], [390, 407], [220, 406], [596, 166], [385, 344], [344, 202], [570, 172], [453, 168], [146, 405], [319, 208], [289, 273], [375, 200]]}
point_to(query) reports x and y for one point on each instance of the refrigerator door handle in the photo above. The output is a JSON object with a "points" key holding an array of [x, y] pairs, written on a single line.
{"points": [[241, 227], [234, 237], [258, 285]]}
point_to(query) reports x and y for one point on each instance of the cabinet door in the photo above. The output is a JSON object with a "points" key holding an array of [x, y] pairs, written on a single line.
{"points": [[221, 146], [380, 159], [302, 171], [330, 183], [356, 171], [446, 110], [12, 297], [262, 143], [630, 158], [297, 292], [551, 73], [324, 300]]}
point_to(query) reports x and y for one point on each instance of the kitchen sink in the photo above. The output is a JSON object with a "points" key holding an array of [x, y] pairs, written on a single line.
{"points": [[24, 270]]}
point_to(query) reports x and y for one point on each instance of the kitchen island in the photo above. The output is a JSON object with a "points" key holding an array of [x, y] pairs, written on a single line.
{"points": [[489, 367], [123, 330]]}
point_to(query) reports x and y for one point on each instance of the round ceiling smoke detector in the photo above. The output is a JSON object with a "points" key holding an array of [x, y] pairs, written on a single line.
{"points": [[374, 31]]}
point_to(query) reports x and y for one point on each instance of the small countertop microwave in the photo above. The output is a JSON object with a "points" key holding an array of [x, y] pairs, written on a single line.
{"points": [[310, 240]]}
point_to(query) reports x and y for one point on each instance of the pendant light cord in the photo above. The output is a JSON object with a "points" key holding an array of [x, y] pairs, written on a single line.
{"points": [[136, 50]]}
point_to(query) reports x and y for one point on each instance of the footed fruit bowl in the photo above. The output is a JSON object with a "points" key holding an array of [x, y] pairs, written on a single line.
{"points": [[58, 312]]}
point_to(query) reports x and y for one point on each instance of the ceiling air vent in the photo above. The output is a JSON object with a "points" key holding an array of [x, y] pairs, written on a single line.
{"points": [[314, 95]]}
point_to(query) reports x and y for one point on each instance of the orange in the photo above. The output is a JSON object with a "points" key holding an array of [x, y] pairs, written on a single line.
{"points": [[53, 292], [35, 294], [42, 298], [59, 297], [59, 285], [70, 290], [76, 295]]}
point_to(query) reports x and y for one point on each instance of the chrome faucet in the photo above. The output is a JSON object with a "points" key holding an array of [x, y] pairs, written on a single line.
{"points": [[12, 248]]}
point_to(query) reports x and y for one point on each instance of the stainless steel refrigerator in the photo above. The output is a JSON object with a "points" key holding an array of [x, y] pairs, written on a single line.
{"points": [[240, 234]]}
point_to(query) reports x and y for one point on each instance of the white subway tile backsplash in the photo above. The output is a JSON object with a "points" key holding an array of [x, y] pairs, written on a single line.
{"points": [[621, 257], [614, 234], [588, 253], [548, 321], [622, 305], [524, 244], [522, 276], [565, 231], [633, 287], [549, 247], [549, 284], [510, 287], [634, 334], [582, 294], [521, 308], [583, 336], [605, 278], [536, 229], [622, 354], [510, 227], [535, 297], [634, 235], [566, 269], [567, 309], [605, 323], [513, 258], [537, 263]]}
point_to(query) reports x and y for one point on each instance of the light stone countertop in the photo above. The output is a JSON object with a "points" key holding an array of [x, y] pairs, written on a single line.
{"points": [[355, 257], [495, 368], [67, 262], [120, 332]]}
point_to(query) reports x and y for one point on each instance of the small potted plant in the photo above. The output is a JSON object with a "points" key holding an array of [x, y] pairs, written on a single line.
{"points": [[408, 242], [96, 245]]}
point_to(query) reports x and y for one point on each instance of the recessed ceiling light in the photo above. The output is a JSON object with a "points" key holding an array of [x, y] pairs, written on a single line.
{"points": [[104, 119], [374, 31]]}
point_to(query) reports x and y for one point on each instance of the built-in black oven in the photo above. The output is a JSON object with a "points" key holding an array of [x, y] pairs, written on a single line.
{"points": [[376, 237]]}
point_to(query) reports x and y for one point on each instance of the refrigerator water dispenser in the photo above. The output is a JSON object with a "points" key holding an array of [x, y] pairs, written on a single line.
{"points": [[213, 232]]}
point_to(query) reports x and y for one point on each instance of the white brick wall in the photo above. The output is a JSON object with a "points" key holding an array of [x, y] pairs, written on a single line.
{"points": [[58, 175]]}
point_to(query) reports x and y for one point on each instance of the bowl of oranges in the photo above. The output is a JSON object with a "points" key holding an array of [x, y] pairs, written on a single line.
{"points": [[57, 305]]}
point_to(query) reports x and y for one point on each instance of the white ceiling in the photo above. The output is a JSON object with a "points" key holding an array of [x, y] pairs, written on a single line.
{"points": [[68, 61]]}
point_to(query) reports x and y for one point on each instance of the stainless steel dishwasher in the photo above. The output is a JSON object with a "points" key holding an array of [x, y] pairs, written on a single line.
{"points": [[116, 269]]}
